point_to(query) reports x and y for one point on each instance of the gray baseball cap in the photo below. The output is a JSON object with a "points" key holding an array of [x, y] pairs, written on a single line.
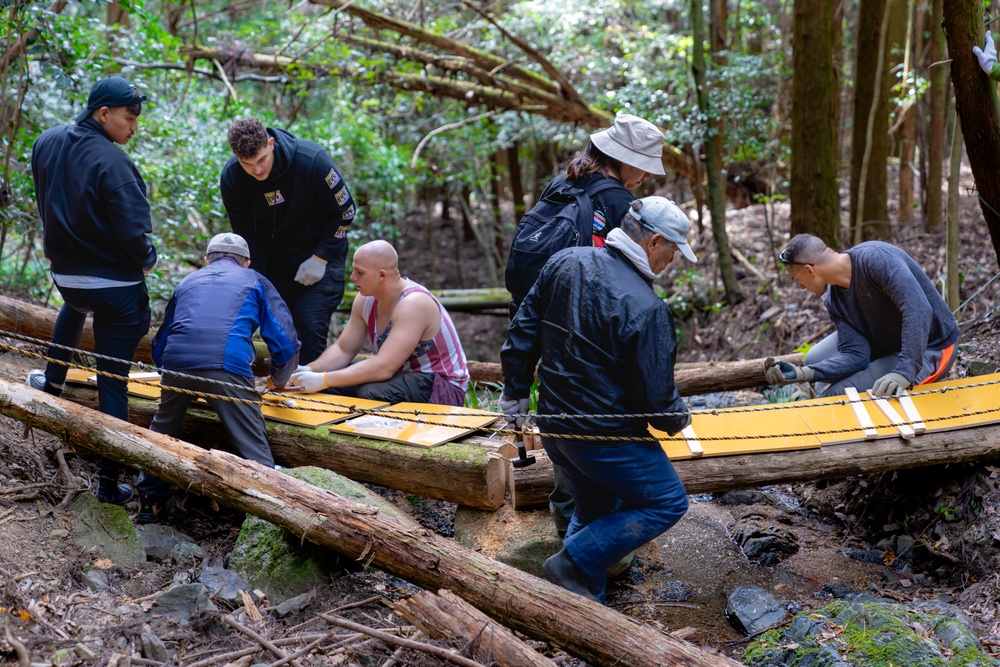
{"points": [[229, 243], [662, 216]]}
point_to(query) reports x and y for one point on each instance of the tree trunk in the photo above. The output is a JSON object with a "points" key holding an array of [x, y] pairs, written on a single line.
{"points": [[978, 107], [531, 486], [937, 73], [713, 168], [445, 615], [907, 154], [951, 233], [527, 604], [813, 188], [468, 473], [516, 186], [869, 145]]}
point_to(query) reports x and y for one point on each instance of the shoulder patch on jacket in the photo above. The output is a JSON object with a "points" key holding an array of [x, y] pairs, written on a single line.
{"points": [[332, 178], [342, 195]]}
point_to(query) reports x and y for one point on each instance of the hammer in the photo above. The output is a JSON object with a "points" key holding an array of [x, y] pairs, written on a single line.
{"points": [[523, 459]]}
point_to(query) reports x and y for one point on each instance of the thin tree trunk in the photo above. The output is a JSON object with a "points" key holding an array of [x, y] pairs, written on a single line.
{"points": [[937, 72], [908, 151], [516, 186], [716, 185], [951, 236]]}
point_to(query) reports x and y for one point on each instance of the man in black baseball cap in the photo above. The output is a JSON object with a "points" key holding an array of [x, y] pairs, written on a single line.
{"points": [[97, 224], [113, 91]]}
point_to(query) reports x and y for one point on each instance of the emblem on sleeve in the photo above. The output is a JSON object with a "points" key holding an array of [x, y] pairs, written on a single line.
{"points": [[332, 178]]}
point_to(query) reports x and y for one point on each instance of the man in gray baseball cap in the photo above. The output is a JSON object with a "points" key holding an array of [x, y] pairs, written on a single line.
{"points": [[204, 345]]}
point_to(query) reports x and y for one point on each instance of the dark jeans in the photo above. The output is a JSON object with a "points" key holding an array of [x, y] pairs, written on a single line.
{"points": [[625, 496], [313, 306], [403, 387], [121, 319], [243, 421]]}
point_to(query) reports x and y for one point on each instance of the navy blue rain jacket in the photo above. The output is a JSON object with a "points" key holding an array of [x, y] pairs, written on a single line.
{"points": [[93, 205], [606, 344], [212, 315]]}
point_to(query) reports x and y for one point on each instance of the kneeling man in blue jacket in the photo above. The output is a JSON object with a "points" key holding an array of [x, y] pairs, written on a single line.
{"points": [[204, 345]]}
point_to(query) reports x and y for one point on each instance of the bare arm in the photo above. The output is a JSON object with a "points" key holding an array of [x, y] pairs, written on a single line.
{"points": [[416, 318]]}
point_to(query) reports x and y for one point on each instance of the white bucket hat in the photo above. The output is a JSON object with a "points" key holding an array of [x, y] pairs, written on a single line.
{"points": [[662, 216], [634, 141]]}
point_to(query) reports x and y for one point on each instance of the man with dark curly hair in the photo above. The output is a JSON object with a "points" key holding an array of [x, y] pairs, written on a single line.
{"points": [[285, 196]]}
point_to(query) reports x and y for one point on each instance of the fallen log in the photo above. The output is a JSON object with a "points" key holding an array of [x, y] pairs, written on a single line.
{"points": [[21, 317], [466, 473], [445, 615], [530, 486], [521, 601]]}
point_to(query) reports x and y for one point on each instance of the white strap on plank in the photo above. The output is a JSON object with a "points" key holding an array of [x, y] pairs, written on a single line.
{"points": [[692, 441], [861, 413], [905, 430], [911, 412]]}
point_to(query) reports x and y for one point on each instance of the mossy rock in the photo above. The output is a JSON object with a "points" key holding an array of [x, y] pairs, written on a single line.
{"points": [[107, 530], [282, 565], [871, 633]]}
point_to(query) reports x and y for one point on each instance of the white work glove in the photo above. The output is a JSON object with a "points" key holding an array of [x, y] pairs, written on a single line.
{"points": [[311, 382], [310, 271], [515, 410], [987, 55], [890, 384], [783, 373]]}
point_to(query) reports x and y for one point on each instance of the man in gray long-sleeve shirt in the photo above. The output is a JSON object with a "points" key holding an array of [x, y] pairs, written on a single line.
{"points": [[893, 328]]}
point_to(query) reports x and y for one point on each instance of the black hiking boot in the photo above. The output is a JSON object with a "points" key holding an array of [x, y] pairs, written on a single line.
{"points": [[562, 571], [110, 491], [152, 509]]}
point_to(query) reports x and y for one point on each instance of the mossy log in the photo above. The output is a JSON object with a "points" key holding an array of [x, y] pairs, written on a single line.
{"points": [[466, 473], [525, 603]]}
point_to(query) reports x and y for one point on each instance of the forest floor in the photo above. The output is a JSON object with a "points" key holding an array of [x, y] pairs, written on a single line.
{"points": [[954, 511]]}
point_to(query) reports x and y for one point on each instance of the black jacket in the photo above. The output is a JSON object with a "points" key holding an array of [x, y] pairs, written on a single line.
{"points": [[302, 209], [610, 206], [606, 344], [92, 202]]}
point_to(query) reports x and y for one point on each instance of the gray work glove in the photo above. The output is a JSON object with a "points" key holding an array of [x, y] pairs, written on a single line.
{"points": [[890, 384], [987, 55], [310, 381], [783, 372], [310, 271], [515, 410]]}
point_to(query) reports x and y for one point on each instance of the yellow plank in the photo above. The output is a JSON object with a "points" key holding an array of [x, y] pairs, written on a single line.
{"points": [[423, 426], [770, 428], [314, 410]]}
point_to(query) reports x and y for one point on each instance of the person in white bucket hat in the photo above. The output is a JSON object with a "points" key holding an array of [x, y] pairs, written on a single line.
{"points": [[627, 153]]}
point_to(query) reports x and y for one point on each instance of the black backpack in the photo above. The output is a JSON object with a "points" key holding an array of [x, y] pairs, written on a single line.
{"points": [[562, 218]]}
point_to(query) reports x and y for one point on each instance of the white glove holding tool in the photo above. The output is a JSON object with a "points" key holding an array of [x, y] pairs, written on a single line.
{"points": [[310, 381], [310, 271], [515, 410]]}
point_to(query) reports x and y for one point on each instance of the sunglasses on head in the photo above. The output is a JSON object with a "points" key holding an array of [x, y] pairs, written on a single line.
{"points": [[783, 258]]}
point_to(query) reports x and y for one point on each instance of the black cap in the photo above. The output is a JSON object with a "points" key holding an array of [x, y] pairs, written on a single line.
{"points": [[114, 91]]}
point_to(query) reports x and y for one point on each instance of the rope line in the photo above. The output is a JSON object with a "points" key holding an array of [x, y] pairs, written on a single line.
{"points": [[420, 417]]}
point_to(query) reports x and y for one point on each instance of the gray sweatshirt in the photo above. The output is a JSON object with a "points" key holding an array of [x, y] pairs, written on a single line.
{"points": [[890, 307]]}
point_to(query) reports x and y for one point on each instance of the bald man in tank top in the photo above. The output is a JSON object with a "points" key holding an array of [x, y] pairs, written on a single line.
{"points": [[418, 356]]}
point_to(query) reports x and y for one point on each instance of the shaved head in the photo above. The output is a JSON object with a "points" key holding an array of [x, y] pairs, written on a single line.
{"points": [[377, 256]]}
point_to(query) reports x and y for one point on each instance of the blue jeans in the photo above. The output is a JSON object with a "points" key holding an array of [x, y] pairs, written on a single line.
{"points": [[625, 496], [121, 319], [312, 306]]}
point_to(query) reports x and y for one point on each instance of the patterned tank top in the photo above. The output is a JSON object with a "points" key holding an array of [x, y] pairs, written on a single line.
{"points": [[442, 354]]}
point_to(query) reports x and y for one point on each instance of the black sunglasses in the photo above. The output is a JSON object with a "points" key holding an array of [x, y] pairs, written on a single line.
{"points": [[787, 262]]}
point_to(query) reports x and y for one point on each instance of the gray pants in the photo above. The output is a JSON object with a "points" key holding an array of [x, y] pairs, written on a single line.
{"points": [[865, 379], [243, 421]]}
